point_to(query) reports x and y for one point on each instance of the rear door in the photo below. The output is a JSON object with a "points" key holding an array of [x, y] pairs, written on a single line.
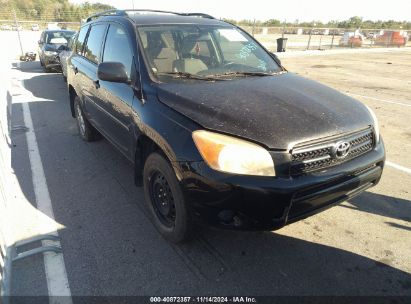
{"points": [[87, 69], [116, 98], [75, 74]]}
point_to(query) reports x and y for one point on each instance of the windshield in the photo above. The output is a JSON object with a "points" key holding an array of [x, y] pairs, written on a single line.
{"points": [[59, 37], [203, 50]]}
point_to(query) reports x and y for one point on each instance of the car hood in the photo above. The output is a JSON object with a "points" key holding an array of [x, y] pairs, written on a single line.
{"points": [[276, 111]]}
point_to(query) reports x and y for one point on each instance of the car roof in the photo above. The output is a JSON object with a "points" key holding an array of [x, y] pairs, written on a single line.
{"points": [[151, 17]]}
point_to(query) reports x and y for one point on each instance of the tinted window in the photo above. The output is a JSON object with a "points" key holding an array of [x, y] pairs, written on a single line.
{"points": [[117, 48], [93, 46], [80, 40]]}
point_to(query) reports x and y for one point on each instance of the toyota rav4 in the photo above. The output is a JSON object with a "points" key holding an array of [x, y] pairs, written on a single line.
{"points": [[217, 129]]}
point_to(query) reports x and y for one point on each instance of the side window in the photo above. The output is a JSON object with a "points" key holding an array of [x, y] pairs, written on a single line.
{"points": [[80, 39], [117, 48], [92, 49]]}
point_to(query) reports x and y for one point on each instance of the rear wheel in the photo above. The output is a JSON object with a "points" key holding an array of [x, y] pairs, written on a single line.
{"points": [[165, 200], [86, 130]]}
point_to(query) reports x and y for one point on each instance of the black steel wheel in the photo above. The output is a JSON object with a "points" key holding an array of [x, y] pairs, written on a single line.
{"points": [[165, 200]]}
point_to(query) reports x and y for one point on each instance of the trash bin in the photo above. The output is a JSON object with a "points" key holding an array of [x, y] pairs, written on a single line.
{"points": [[281, 44]]}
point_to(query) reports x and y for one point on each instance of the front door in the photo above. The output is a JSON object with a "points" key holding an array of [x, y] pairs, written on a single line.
{"points": [[117, 98]]}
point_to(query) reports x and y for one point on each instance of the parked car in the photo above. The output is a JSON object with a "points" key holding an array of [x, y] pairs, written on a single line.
{"points": [[65, 54], [51, 43], [35, 27], [351, 39], [217, 129], [392, 38]]}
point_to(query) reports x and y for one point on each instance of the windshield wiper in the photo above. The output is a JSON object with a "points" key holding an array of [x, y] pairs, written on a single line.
{"points": [[189, 76], [246, 74]]}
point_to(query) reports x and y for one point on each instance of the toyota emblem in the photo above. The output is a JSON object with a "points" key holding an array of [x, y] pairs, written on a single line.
{"points": [[341, 149]]}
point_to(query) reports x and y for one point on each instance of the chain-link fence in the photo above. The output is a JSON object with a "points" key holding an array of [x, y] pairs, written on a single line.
{"points": [[293, 38], [36, 25], [298, 38]]}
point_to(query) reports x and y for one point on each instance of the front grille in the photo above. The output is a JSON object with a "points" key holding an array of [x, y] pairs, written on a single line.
{"points": [[317, 156]]}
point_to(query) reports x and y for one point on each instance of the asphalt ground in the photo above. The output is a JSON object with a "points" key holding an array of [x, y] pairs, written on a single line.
{"points": [[361, 247]]}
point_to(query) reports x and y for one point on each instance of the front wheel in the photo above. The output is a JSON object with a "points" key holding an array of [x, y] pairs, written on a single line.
{"points": [[165, 200]]}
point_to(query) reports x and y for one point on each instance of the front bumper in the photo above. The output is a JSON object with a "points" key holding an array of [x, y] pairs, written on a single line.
{"points": [[268, 203], [52, 61]]}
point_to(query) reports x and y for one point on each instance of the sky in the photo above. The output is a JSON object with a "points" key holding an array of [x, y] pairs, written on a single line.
{"points": [[290, 10]]}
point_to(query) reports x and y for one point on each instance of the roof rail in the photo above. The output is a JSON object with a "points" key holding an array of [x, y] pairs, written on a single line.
{"points": [[196, 15], [124, 13], [106, 13]]}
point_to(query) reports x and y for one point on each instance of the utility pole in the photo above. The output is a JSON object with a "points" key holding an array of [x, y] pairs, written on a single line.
{"points": [[132, 3], [18, 31]]}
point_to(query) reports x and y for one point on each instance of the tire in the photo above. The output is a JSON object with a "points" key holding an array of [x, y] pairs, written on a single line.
{"points": [[168, 213], [86, 130]]}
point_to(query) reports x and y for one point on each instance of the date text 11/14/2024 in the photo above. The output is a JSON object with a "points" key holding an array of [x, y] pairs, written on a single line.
{"points": [[204, 299]]}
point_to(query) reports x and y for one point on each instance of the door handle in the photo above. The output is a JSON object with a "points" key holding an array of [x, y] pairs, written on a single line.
{"points": [[96, 83]]}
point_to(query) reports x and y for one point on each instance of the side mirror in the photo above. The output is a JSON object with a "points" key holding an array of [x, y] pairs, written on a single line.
{"points": [[113, 72], [40, 42], [275, 57]]}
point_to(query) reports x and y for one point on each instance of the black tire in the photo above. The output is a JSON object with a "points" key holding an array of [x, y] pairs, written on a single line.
{"points": [[158, 174], [86, 130]]}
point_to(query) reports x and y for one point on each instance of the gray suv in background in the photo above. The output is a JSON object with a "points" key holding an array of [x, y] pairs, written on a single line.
{"points": [[51, 43]]}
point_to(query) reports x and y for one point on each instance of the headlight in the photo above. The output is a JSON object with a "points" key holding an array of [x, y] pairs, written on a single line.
{"points": [[376, 125], [50, 53], [233, 155]]}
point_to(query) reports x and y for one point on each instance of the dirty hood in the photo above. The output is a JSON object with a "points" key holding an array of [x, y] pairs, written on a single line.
{"points": [[276, 111]]}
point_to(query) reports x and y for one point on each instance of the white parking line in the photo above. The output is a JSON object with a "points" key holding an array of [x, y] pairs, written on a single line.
{"points": [[383, 100], [398, 167], [56, 275]]}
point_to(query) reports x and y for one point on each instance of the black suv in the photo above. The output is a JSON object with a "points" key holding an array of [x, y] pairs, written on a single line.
{"points": [[216, 127]]}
